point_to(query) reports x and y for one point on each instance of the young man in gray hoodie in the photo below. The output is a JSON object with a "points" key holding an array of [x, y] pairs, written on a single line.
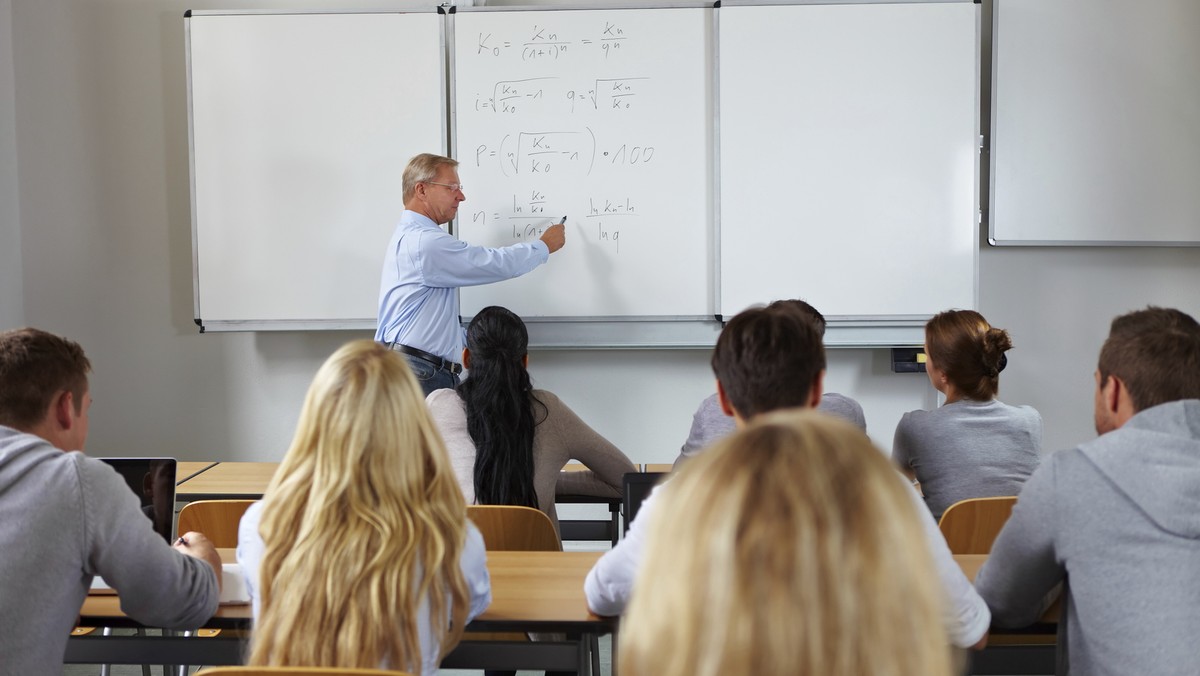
{"points": [[65, 517], [1117, 518]]}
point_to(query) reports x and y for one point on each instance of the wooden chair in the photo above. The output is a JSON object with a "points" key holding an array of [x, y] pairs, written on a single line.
{"points": [[294, 671], [217, 519], [971, 526], [517, 529]]}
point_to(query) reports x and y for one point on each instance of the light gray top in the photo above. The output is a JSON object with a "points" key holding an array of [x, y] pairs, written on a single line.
{"points": [[710, 423], [65, 518], [561, 437], [609, 584], [1121, 515], [969, 449], [473, 564]]}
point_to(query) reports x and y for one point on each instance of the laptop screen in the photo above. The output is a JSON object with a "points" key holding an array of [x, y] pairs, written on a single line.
{"points": [[152, 480]]}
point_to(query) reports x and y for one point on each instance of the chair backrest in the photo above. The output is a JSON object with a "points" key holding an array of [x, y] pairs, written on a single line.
{"points": [[518, 529], [971, 526], [217, 519], [635, 488], [294, 671]]}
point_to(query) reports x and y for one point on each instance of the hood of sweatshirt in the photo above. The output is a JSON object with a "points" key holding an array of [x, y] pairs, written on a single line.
{"points": [[1154, 460]]}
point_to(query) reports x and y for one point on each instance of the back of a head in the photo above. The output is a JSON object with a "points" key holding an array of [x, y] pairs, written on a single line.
{"points": [[366, 477], [789, 547], [34, 367], [499, 402], [806, 310], [969, 351], [1156, 353], [768, 359], [422, 169]]}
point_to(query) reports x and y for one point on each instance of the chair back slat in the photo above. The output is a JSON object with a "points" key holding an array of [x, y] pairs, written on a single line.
{"points": [[217, 519], [516, 529], [971, 526]]}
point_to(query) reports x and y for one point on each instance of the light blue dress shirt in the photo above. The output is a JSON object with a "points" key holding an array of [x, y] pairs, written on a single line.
{"points": [[422, 271]]}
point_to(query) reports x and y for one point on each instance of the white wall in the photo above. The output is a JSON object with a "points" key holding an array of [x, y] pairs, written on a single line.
{"points": [[11, 312], [101, 132]]}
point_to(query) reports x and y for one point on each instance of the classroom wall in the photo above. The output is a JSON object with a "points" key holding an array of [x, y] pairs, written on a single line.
{"points": [[98, 91], [11, 312]]}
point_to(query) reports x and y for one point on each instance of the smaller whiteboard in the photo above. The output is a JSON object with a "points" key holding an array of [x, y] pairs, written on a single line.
{"points": [[849, 157], [1096, 122], [604, 116], [301, 127]]}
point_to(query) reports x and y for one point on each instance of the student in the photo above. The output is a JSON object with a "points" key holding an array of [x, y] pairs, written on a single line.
{"points": [[424, 266], [790, 547], [508, 441], [360, 553], [767, 360], [66, 518], [974, 445], [710, 423], [1119, 513]]}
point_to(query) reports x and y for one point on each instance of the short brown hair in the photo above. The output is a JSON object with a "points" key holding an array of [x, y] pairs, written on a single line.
{"points": [[969, 351], [804, 308], [422, 169], [1156, 353], [34, 367], [768, 359]]}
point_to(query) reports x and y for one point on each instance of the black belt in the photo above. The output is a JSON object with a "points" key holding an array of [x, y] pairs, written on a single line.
{"points": [[427, 357]]}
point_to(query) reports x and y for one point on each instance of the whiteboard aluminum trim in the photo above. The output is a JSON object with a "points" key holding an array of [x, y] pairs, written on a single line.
{"points": [[753, 3], [654, 334], [594, 6], [715, 232], [187, 55]]}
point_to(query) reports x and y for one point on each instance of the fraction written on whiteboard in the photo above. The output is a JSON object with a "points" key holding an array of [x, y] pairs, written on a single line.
{"points": [[543, 43]]}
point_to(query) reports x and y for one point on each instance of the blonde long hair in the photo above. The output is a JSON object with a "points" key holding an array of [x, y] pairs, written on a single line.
{"points": [[790, 547], [362, 523]]}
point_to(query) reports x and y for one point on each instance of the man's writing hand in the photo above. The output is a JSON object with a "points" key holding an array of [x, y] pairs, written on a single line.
{"points": [[555, 236]]}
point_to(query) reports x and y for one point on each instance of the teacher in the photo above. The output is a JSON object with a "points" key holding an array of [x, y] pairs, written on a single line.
{"points": [[424, 267]]}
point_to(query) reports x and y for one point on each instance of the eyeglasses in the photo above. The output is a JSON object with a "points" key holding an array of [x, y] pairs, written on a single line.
{"points": [[454, 187]]}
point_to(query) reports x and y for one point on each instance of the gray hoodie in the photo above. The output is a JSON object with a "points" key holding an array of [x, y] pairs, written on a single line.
{"points": [[1118, 518], [64, 518]]}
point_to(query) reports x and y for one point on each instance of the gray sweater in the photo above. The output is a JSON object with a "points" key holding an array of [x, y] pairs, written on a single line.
{"points": [[561, 437], [1118, 518], [709, 422], [969, 449], [64, 518]]}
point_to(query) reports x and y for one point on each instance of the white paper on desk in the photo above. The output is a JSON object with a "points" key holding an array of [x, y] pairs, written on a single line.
{"points": [[233, 585]]}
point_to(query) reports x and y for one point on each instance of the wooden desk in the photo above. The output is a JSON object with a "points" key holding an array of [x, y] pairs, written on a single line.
{"points": [[531, 591], [662, 467], [1032, 650], [185, 470], [228, 481]]}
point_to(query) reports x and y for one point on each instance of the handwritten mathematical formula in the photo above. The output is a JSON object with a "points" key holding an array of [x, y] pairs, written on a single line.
{"points": [[530, 215], [543, 43], [546, 152], [553, 94]]}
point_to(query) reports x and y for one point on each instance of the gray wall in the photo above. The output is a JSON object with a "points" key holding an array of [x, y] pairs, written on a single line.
{"points": [[104, 233]]}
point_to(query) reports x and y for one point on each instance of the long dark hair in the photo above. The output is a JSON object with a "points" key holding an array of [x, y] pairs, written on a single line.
{"points": [[500, 408]]}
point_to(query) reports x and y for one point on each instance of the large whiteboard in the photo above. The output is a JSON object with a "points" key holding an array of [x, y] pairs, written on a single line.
{"points": [[848, 157], [603, 116], [1096, 122], [301, 126]]}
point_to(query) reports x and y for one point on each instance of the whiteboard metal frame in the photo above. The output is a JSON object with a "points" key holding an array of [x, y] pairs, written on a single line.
{"points": [[270, 324], [687, 332], [893, 330], [665, 331], [990, 98]]}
